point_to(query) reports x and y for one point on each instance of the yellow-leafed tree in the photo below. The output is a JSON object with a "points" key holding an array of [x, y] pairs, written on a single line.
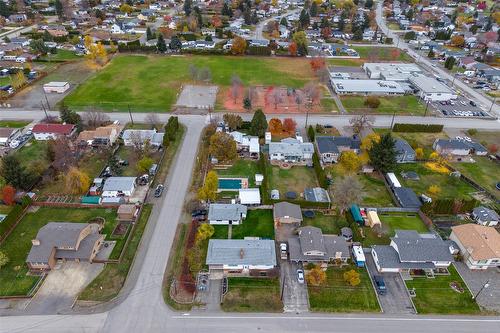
{"points": [[76, 181], [209, 190], [316, 276]]}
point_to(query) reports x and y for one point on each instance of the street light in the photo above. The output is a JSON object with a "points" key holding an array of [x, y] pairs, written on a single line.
{"points": [[486, 285], [492, 103]]}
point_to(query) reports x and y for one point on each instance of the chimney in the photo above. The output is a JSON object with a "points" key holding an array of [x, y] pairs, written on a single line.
{"points": [[35, 242], [242, 253]]}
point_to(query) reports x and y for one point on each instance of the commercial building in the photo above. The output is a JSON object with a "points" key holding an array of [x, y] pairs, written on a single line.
{"points": [[391, 71], [56, 87], [431, 89], [367, 87]]}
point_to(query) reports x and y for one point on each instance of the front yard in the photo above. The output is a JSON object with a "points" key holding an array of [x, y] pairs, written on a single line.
{"points": [[252, 295], [436, 295], [408, 105], [295, 179], [338, 296], [259, 223], [484, 172], [13, 278]]}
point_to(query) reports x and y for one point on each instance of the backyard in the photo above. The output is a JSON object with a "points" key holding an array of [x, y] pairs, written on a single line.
{"points": [[336, 295], [329, 224], [13, 278], [374, 54], [484, 172], [259, 223], [416, 140], [130, 155], [391, 222], [241, 169], [295, 179], [252, 295], [436, 295], [408, 105], [149, 83]]}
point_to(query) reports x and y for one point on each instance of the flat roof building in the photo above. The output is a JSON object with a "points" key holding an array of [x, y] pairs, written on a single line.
{"points": [[367, 87], [390, 70], [431, 89]]}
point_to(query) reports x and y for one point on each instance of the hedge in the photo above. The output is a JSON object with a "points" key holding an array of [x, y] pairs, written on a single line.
{"points": [[259, 50], [449, 206], [13, 216], [320, 173], [414, 128]]}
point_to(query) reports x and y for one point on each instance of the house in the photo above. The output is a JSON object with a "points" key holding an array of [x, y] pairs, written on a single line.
{"points": [[330, 147], [410, 251], [227, 214], [316, 194], [479, 245], [366, 87], [246, 143], [406, 197], [101, 136], [241, 257], [64, 241], [285, 212], [44, 132], [458, 147], [485, 216], [7, 134], [249, 196], [127, 212], [57, 87], [291, 150], [132, 137], [404, 152], [118, 187], [312, 246], [57, 30]]}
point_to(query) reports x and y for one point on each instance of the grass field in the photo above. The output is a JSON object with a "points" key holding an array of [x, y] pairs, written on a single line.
{"points": [[408, 105], [295, 179], [337, 296], [152, 83], [62, 55], [259, 223], [13, 278], [327, 223], [436, 295], [252, 295], [13, 123], [390, 223], [241, 169], [488, 137], [34, 152], [484, 172], [373, 54]]}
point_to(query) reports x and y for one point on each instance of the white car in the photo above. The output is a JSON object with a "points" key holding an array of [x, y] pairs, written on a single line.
{"points": [[300, 276], [14, 144]]}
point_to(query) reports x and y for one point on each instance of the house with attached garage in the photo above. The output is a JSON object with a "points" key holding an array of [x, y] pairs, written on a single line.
{"points": [[479, 245], [101, 136], [287, 213], [132, 137], [246, 143], [118, 187], [404, 152], [227, 214], [241, 257], [290, 150], [330, 147], [43, 132], [485, 216], [459, 147], [312, 246], [409, 251]]}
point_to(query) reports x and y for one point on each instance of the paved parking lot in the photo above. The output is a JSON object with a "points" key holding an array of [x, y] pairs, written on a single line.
{"points": [[396, 300], [295, 296], [460, 107], [489, 298]]}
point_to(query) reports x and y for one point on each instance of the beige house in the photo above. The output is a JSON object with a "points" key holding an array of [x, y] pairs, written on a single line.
{"points": [[105, 135], [285, 212], [479, 245]]}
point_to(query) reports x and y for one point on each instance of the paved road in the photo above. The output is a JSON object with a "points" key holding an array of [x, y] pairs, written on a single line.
{"points": [[259, 27], [485, 101]]}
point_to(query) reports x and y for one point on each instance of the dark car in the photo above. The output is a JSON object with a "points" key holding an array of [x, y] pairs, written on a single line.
{"points": [[198, 212], [199, 218], [380, 284], [159, 190], [498, 186], [472, 103]]}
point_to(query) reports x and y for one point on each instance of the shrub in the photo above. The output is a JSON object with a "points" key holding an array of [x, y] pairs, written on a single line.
{"points": [[372, 102], [416, 128], [472, 131], [320, 173]]}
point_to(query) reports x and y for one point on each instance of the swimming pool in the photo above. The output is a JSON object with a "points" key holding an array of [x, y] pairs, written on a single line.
{"points": [[228, 184]]}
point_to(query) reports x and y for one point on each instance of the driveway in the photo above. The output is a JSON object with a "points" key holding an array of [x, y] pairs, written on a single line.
{"points": [[295, 296], [396, 299], [62, 285]]}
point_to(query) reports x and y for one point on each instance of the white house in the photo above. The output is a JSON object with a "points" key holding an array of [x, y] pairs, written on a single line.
{"points": [[485, 216], [118, 187], [479, 245], [291, 150], [43, 132], [249, 196], [227, 214], [246, 142], [131, 137]]}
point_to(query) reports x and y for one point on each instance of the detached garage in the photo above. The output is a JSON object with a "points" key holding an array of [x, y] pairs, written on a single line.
{"points": [[56, 87]]}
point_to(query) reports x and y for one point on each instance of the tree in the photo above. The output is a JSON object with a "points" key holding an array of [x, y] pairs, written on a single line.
{"points": [[346, 191], [38, 45], [383, 155], [208, 192], [284, 21], [235, 86], [360, 122], [292, 49], [187, 7], [226, 10], [431, 53], [171, 129], [352, 278], [62, 153], [419, 153], [313, 11], [149, 34], [161, 46], [350, 161], [304, 19], [19, 80], [223, 147], [289, 126], [126, 8], [434, 190], [233, 121], [94, 118], [369, 4], [76, 181], [275, 126], [316, 276], [372, 102], [258, 125], [8, 194], [247, 103], [15, 174], [277, 97], [69, 116], [204, 232], [458, 41], [153, 120], [239, 46], [300, 39], [144, 164], [449, 63], [59, 8], [310, 133], [3, 259], [317, 63], [410, 35], [368, 141], [493, 148], [434, 156]]}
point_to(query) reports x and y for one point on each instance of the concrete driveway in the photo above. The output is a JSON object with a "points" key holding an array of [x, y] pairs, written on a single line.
{"points": [[60, 288], [295, 296], [396, 299]]}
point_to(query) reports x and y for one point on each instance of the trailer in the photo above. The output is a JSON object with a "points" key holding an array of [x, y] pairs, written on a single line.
{"points": [[359, 256]]}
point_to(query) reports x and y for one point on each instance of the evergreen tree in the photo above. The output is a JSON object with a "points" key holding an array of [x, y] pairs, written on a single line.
{"points": [[175, 43], [160, 44], [69, 116], [247, 103], [449, 63], [369, 4], [258, 125], [5, 10], [149, 34], [304, 19], [226, 10], [383, 154], [59, 8], [313, 11], [431, 53], [15, 173], [284, 22], [188, 7]]}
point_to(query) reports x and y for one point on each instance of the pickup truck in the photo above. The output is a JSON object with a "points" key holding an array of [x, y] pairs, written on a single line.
{"points": [[283, 251], [380, 284]]}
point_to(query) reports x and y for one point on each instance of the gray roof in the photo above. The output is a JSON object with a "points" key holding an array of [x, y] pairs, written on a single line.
{"points": [[460, 144], [415, 247], [118, 183], [331, 144], [401, 146], [226, 212], [316, 194], [388, 258], [312, 239], [282, 209], [366, 86], [406, 197], [428, 84], [485, 214], [151, 135], [241, 252], [291, 147]]}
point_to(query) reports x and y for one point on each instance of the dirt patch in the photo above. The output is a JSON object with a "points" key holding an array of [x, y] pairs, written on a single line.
{"points": [[456, 286], [121, 229]]}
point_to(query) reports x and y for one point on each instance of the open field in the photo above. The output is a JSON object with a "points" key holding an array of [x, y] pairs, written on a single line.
{"points": [[391, 222], [152, 83], [13, 278], [436, 295], [408, 105], [295, 179], [484, 172], [338, 296], [62, 55], [252, 295], [259, 223], [487, 137]]}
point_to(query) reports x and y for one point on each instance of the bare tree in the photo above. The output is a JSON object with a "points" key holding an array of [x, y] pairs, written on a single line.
{"points": [[205, 74], [359, 123], [235, 86], [63, 154], [312, 92], [252, 94], [346, 191], [193, 72], [277, 98], [323, 75], [153, 120], [93, 118], [137, 142]]}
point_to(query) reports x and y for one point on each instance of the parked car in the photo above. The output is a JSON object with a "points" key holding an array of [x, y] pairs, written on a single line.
{"points": [[300, 276], [472, 103], [200, 217], [159, 190], [198, 212], [283, 251], [380, 284]]}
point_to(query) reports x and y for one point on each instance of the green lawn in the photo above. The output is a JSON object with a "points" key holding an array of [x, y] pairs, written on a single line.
{"points": [[252, 295], [151, 83], [295, 179], [5, 209], [259, 223], [391, 222], [408, 105], [62, 55], [484, 172], [109, 282], [436, 295], [373, 54], [329, 105], [327, 223], [13, 278], [241, 169], [451, 187], [14, 123], [337, 296], [487, 137], [34, 152], [416, 140], [346, 62]]}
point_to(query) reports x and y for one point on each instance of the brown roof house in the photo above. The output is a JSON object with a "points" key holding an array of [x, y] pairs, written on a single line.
{"points": [[479, 245], [101, 136], [127, 212], [64, 241], [285, 212]]}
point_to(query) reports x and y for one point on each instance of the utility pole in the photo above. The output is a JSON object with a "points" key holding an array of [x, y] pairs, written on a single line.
{"points": [[43, 108], [393, 116], [426, 107], [492, 103], [485, 285], [46, 99], [130, 114]]}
